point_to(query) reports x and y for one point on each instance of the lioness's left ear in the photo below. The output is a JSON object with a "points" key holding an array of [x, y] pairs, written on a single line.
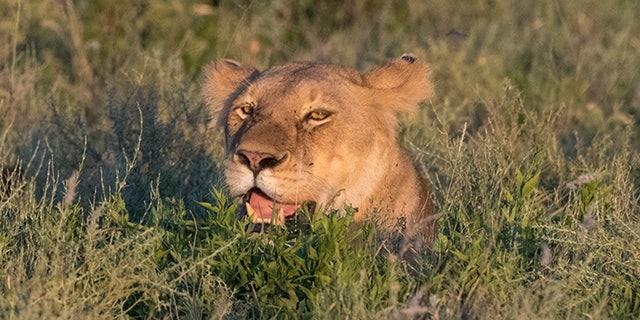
{"points": [[225, 78], [400, 84]]}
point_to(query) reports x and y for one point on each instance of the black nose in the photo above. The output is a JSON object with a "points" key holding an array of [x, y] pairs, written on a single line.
{"points": [[258, 161]]}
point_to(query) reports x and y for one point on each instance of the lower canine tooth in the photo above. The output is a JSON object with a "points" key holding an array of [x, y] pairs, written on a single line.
{"points": [[250, 210], [255, 217], [280, 217]]}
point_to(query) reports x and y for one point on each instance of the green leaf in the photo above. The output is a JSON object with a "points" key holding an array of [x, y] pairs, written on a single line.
{"points": [[207, 206], [460, 255], [530, 185], [441, 243], [508, 195], [519, 177]]}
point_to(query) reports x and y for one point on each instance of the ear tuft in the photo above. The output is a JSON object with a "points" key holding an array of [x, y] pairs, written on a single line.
{"points": [[400, 84], [224, 79], [408, 57]]}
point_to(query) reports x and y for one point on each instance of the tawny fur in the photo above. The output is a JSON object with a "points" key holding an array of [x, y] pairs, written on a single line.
{"points": [[351, 157]]}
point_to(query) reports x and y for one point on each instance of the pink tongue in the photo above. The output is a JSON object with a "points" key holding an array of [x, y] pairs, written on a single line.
{"points": [[265, 206]]}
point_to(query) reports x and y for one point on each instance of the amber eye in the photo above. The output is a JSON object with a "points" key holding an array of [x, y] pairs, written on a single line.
{"points": [[318, 115], [245, 109]]}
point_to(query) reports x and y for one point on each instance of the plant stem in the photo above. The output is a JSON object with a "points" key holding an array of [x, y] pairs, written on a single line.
{"points": [[14, 51]]}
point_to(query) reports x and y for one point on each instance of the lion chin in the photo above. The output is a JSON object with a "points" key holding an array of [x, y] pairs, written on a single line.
{"points": [[306, 134]]}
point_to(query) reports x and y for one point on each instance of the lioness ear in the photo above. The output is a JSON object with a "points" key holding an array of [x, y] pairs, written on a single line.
{"points": [[400, 84], [225, 78]]}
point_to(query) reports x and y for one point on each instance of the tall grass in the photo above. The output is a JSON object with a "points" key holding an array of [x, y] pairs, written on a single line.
{"points": [[117, 209]]}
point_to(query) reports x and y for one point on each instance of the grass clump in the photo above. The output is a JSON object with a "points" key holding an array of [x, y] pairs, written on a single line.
{"points": [[514, 216]]}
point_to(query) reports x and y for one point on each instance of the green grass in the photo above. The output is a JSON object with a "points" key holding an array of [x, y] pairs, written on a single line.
{"points": [[119, 210]]}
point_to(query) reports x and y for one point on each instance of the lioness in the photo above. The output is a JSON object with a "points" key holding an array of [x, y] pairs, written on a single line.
{"points": [[314, 133]]}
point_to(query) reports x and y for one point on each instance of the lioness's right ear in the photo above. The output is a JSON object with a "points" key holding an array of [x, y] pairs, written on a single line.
{"points": [[225, 78]]}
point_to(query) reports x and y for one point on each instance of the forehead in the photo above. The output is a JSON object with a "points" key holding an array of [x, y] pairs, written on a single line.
{"points": [[300, 79]]}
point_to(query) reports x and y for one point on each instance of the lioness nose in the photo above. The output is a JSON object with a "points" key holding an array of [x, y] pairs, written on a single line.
{"points": [[257, 161]]}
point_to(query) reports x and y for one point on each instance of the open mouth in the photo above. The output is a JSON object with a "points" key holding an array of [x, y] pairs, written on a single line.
{"points": [[264, 210]]}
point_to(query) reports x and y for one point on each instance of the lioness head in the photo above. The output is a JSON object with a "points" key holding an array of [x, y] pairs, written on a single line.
{"points": [[322, 134]]}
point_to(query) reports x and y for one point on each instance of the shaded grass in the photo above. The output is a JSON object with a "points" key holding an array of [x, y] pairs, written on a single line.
{"points": [[530, 147]]}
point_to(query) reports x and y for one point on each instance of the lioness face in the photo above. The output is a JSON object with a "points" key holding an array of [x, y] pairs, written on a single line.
{"points": [[313, 133], [289, 139]]}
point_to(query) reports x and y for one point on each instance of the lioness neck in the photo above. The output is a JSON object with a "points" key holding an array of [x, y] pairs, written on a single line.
{"points": [[401, 201]]}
